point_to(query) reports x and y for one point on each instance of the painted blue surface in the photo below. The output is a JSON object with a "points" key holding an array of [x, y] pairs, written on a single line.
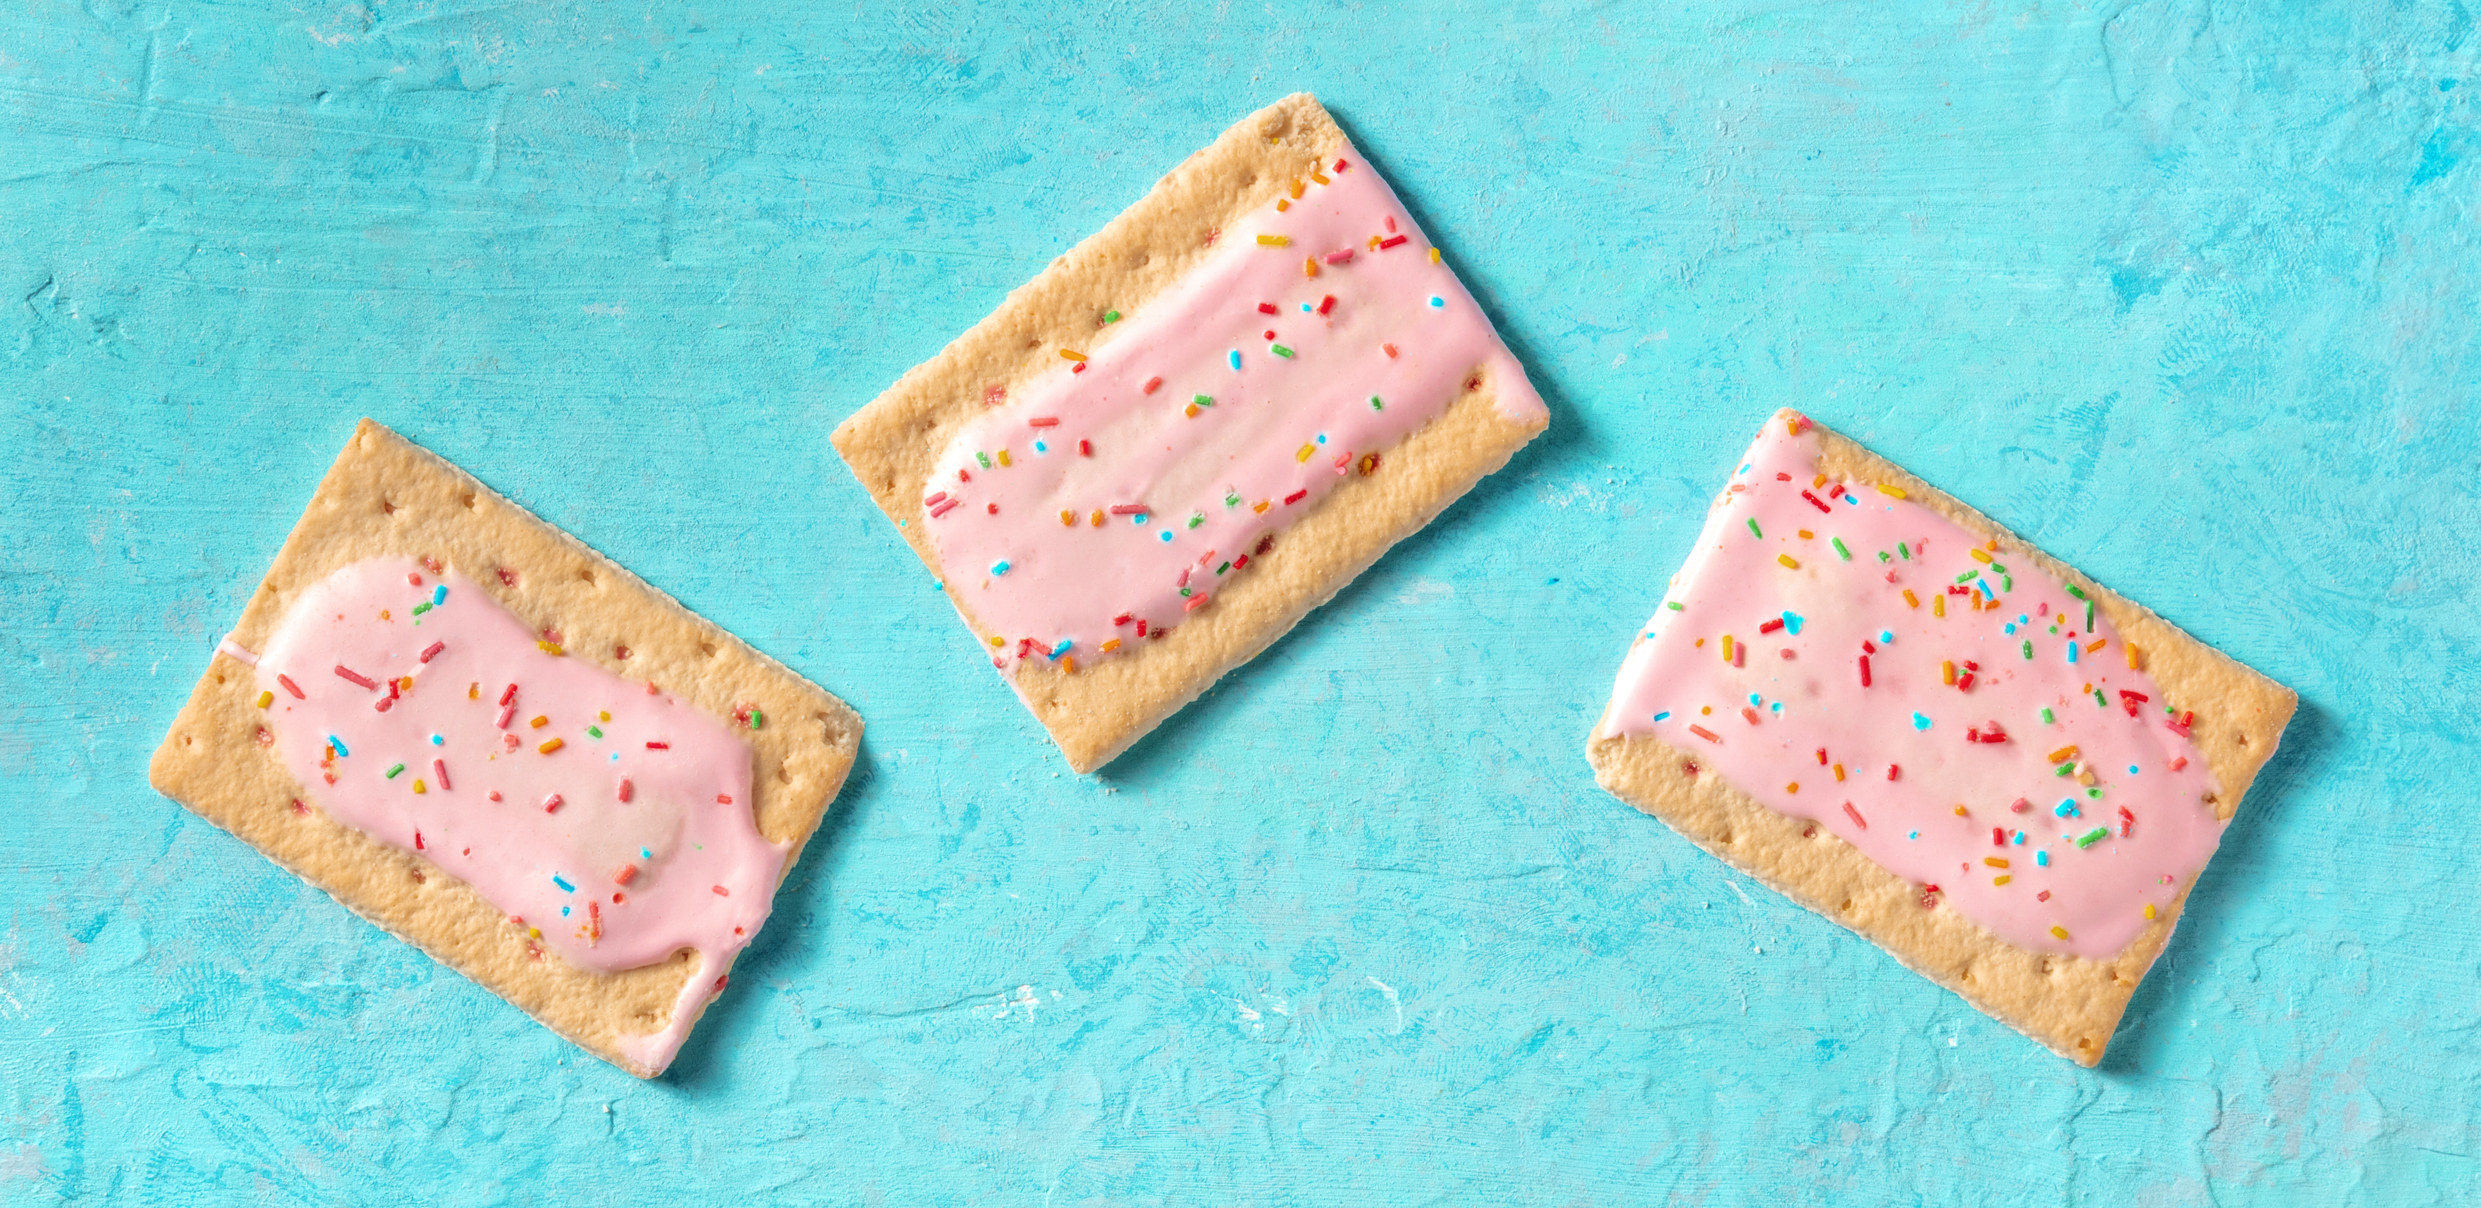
{"points": [[2186, 294]]}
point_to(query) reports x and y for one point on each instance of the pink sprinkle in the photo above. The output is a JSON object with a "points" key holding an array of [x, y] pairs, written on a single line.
{"points": [[1342, 257], [934, 499], [624, 789], [439, 769], [506, 712], [551, 804], [1857, 819], [2178, 762], [723, 798], [1153, 384], [1193, 603], [2019, 805], [433, 652], [1127, 509], [349, 675], [1044, 421], [296, 690], [943, 509], [1391, 224], [384, 704], [721, 892]]}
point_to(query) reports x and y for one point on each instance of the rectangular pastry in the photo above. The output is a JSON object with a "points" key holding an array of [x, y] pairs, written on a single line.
{"points": [[497, 744], [1899, 714], [1194, 427]]}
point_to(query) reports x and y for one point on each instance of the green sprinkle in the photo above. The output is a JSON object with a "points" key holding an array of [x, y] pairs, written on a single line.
{"points": [[756, 719], [2047, 719], [1905, 550], [2091, 837], [1196, 519], [984, 458], [2076, 591], [394, 770], [421, 608], [2028, 648], [1675, 606], [2098, 701], [1998, 567], [1884, 556], [2089, 616], [1220, 569], [1968, 576], [1281, 351], [2063, 769], [1232, 500], [596, 731], [2007, 583], [1840, 551], [1753, 529], [2093, 792], [1184, 593], [1111, 316], [1203, 400], [1375, 405]]}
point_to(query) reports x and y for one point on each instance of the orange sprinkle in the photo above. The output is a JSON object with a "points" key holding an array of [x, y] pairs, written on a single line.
{"points": [[1839, 772], [1704, 733], [2063, 754], [1946, 672], [2096, 644], [2130, 647], [627, 873], [1309, 267], [1068, 518], [549, 747], [1995, 861], [1793, 787], [1910, 600], [539, 722]]}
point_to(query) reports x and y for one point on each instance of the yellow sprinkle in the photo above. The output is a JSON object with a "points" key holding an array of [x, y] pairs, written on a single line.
{"points": [[997, 642], [2149, 910], [603, 717], [1946, 673], [1003, 457], [534, 933], [1786, 559], [2096, 644], [419, 787], [550, 648], [1069, 354], [1113, 644], [548, 747], [1938, 606], [2131, 649], [1068, 518], [1320, 177], [1434, 255], [1896, 492], [1911, 600], [1303, 455], [2003, 878], [1096, 520], [2059, 931], [1261, 505], [539, 722], [1274, 241], [1995, 861], [1373, 243], [1309, 267], [1979, 556], [265, 699], [1727, 648], [1282, 205], [1839, 773], [2084, 776]]}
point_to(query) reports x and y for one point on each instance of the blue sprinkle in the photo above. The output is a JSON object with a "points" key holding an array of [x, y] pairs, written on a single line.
{"points": [[1167, 534], [2071, 648], [1660, 716], [562, 882], [1040, 447], [564, 912], [1322, 438], [339, 744], [1886, 637], [436, 740], [1919, 722], [644, 854], [2019, 838], [1755, 699], [1000, 567], [1777, 706], [1137, 518], [2011, 628], [1914, 835], [2132, 769], [1437, 301], [1305, 308], [2066, 807], [1236, 360], [1792, 623], [439, 595], [1062, 648], [2042, 858]]}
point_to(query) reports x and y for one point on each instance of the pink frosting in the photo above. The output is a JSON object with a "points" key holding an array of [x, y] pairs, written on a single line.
{"points": [[650, 847], [1912, 747], [1223, 409]]}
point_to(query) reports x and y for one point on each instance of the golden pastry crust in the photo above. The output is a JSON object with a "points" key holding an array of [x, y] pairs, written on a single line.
{"points": [[385, 496], [2069, 1004], [1097, 711]]}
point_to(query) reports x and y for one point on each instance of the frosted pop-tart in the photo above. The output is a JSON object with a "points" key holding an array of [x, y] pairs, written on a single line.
{"points": [[1904, 717], [1194, 427], [505, 749]]}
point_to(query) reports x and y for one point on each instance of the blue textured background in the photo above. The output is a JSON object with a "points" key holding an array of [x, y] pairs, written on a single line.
{"points": [[2184, 292]]}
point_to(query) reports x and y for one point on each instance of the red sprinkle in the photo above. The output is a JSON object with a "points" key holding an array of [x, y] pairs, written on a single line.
{"points": [[1816, 503], [1893, 770], [1748, 713], [1153, 384], [1193, 603], [349, 675], [1044, 421], [2127, 822], [291, 687], [2043, 896], [1771, 626], [1266, 308], [1085, 448], [723, 798], [1122, 619], [1821, 756], [1998, 836], [1864, 670], [509, 697], [1704, 733], [1384, 244], [418, 841], [433, 651], [658, 746], [722, 892], [439, 769], [1857, 819], [385, 703], [551, 804], [1326, 305], [627, 791], [1296, 497], [627, 873]]}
